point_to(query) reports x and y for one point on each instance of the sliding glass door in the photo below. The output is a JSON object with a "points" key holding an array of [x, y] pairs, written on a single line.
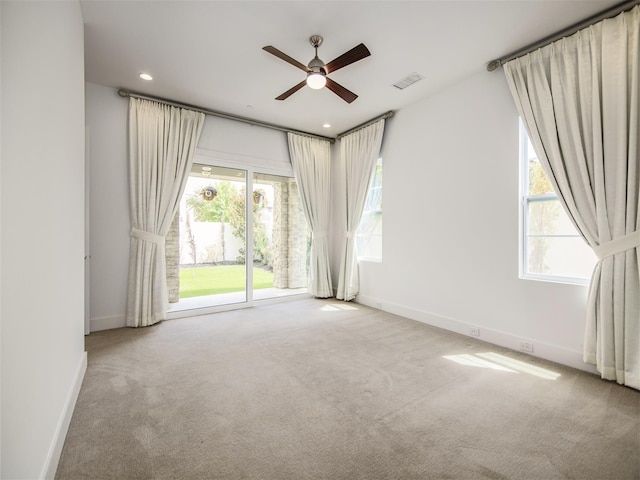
{"points": [[210, 240], [210, 248]]}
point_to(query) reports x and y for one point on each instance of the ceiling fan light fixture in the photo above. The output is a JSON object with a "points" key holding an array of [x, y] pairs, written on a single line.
{"points": [[317, 70], [316, 80]]}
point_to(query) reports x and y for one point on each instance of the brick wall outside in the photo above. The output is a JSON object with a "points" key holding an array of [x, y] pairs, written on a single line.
{"points": [[172, 255], [298, 240], [290, 238]]}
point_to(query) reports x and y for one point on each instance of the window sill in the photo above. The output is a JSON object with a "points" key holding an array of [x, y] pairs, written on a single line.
{"points": [[369, 259], [553, 279]]}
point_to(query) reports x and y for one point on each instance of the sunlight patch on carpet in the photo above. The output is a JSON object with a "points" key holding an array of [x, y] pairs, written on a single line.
{"points": [[495, 361], [334, 307]]}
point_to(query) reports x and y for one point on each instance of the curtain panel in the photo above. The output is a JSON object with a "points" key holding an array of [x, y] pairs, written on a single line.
{"points": [[162, 142], [359, 152], [579, 100], [311, 161]]}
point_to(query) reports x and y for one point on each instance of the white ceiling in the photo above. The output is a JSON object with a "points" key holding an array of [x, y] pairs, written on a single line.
{"points": [[209, 53]]}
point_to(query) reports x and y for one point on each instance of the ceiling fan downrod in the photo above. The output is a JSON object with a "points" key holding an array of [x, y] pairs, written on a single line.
{"points": [[316, 65]]}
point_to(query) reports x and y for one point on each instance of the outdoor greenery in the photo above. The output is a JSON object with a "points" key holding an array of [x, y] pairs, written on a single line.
{"points": [[261, 249], [228, 206], [198, 281], [539, 184], [543, 220]]}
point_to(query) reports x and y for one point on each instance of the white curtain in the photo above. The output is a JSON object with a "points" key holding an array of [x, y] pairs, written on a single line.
{"points": [[311, 161], [359, 152], [162, 141], [579, 99]]}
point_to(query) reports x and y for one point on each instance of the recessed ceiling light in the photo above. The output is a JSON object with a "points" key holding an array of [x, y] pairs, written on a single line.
{"points": [[206, 169], [326, 125], [146, 76]]}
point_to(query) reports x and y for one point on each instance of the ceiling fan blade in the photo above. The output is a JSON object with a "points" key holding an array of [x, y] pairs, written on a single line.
{"points": [[347, 95], [356, 53], [292, 90], [285, 57]]}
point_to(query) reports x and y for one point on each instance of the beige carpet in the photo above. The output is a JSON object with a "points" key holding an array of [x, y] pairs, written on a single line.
{"points": [[317, 389]]}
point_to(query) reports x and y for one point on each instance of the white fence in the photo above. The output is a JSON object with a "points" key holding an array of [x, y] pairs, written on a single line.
{"points": [[207, 237]]}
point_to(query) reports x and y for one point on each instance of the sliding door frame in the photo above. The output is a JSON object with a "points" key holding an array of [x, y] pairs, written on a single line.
{"points": [[260, 166]]}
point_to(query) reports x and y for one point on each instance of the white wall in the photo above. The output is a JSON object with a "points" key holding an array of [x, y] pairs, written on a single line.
{"points": [[450, 226], [42, 188], [0, 241], [106, 116], [109, 191]]}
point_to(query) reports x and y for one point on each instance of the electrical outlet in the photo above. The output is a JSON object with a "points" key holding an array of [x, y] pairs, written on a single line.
{"points": [[474, 331], [526, 347]]}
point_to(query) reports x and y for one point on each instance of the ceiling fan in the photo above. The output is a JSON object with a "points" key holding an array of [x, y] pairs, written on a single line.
{"points": [[317, 70]]}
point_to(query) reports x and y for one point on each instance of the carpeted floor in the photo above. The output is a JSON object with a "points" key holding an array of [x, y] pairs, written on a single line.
{"points": [[317, 389]]}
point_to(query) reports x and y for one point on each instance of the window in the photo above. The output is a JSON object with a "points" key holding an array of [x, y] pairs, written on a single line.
{"points": [[369, 235], [552, 249]]}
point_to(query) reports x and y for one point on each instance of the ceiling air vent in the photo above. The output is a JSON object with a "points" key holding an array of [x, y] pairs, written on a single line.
{"points": [[408, 80]]}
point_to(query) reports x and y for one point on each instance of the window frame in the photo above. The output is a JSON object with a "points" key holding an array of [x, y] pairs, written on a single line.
{"points": [[376, 211], [526, 200]]}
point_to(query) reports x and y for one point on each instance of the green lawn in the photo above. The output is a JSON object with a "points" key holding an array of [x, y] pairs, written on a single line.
{"points": [[198, 281]]}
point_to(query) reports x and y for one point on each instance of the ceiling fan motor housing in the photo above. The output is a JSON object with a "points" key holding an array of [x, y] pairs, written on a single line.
{"points": [[317, 66]]}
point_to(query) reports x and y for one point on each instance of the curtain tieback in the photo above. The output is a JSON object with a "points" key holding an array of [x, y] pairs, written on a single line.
{"points": [[319, 235], [348, 235], [148, 236], [619, 245]]}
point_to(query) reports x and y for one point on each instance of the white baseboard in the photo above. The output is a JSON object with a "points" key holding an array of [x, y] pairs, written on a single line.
{"points": [[554, 353], [107, 323], [55, 450]]}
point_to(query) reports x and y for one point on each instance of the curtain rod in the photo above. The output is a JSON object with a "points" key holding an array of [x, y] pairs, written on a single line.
{"points": [[610, 12], [388, 114], [228, 116]]}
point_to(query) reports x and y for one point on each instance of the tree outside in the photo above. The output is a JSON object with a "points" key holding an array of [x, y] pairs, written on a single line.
{"points": [[543, 217], [226, 207], [261, 249]]}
